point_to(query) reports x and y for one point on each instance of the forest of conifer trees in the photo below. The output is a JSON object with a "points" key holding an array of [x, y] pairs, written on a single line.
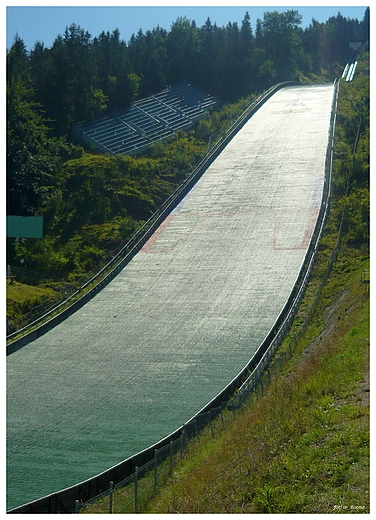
{"points": [[81, 77]]}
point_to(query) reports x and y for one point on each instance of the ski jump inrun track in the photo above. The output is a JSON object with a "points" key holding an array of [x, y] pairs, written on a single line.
{"points": [[183, 317]]}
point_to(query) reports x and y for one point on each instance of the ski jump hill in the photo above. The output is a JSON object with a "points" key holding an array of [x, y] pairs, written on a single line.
{"points": [[183, 317]]}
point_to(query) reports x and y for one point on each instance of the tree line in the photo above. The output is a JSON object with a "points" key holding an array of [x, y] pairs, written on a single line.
{"points": [[80, 77], [49, 90], [92, 203]]}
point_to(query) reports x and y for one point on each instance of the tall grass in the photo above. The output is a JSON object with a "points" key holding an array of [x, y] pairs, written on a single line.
{"points": [[301, 448]]}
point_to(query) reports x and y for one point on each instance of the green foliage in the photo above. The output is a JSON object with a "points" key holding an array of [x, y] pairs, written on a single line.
{"points": [[32, 156], [303, 447], [79, 76], [41, 255], [283, 59], [97, 204], [351, 166], [90, 203], [17, 61], [204, 130], [21, 297], [357, 224], [268, 499]]}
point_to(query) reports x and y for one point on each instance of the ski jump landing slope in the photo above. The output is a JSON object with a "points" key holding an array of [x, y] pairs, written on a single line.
{"points": [[183, 317]]}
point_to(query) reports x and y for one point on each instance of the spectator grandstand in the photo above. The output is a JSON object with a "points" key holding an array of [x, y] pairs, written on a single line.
{"points": [[129, 131]]}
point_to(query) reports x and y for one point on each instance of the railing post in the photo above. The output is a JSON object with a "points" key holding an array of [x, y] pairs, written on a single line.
{"points": [[181, 445], [196, 430], [135, 489], [155, 470], [111, 493], [211, 424], [170, 457]]}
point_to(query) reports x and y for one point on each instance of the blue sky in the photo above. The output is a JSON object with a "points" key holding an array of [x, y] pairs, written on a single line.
{"points": [[44, 23]]}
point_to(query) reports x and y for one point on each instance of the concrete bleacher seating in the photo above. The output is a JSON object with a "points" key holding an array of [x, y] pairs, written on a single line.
{"points": [[146, 121]]}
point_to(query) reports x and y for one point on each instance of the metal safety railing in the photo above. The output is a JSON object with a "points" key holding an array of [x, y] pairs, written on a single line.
{"points": [[252, 377], [125, 253]]}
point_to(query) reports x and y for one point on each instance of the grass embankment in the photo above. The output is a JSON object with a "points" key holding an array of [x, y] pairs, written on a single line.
{"points": [[303, 447], [21, 297]]}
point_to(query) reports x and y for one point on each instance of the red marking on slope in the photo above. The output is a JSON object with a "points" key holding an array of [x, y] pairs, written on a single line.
{"points": [[306, 236], [309, 229], [156, 234]]}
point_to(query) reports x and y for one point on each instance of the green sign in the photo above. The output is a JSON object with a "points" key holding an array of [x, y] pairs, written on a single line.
{"points": [[25, 227]]}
